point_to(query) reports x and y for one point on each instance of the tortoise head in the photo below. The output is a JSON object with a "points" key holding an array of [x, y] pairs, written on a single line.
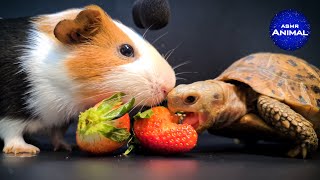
{"points": [[200, 103]]}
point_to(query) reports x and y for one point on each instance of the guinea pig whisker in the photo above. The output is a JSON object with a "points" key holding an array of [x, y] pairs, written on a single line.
{"points": [[126, 77], [128, 82], [139, 94], [154, 41], [136, 105], [144, 103], [154, 101], [165, 55], [102, 94], [180, 78], [105, 93], [169, 55], [186, 73], [145, 33], [181, 64], [173, 51], [120, 72]]}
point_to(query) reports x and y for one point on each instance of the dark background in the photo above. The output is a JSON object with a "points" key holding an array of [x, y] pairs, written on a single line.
{"points": [[211, 34]]}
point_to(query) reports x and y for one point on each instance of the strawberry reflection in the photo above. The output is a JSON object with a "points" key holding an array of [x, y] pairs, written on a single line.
{"points": [[169, 168]]}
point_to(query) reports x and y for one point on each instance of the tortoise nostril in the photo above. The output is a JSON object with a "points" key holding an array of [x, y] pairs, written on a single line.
{"points": [[190, 100]]}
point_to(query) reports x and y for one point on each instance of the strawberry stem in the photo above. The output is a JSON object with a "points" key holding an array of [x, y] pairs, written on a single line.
{"points": [[129, 150], [143, 115], [132, 144], [99, 119]]}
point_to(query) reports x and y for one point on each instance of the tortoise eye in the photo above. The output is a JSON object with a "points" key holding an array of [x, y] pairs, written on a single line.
{"points": [[190, 100], [126, 50]]}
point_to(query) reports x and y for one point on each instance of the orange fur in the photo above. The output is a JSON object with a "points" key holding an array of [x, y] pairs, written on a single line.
{"points": [[91, 60], [41, 26]]}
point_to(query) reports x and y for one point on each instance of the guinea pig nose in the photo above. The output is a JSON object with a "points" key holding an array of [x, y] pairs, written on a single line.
{"points": [[165, 90], [191, 99]]}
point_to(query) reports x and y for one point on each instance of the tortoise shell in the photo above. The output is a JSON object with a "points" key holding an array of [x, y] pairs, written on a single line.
{"points": [[286, 78]]}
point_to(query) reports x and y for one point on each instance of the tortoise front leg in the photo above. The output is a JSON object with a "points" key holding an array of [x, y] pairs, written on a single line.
{"points": [[288, 122]]}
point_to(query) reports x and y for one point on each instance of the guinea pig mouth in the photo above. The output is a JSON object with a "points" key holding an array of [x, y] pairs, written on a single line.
{"points": [[195, 119]]}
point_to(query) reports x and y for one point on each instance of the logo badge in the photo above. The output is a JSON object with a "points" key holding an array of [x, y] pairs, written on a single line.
{"points": [[289, 30]]}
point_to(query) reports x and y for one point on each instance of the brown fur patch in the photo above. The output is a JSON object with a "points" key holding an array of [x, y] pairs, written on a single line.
{"points": [[43, 27], [92, 61], [81, 29], [46, 24]]}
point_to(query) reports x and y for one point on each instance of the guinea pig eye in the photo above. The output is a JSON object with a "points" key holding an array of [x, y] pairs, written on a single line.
{"points": [[126, 50]]}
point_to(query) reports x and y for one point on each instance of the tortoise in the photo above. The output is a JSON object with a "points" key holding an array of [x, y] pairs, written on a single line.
{"points": [[264, 95]]}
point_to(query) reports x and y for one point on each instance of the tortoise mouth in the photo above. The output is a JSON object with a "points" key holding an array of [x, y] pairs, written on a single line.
{"points": [[195, 119]]}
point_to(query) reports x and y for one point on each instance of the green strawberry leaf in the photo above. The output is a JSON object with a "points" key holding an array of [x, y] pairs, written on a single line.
{"points": [[98, 128], [143, 115], [117, 134], [87, 118], [110, 102], [109, 131], [92, 117], [120, 111]]}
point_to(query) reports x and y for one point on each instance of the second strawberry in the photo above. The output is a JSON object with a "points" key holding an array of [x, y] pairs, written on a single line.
{"points": [[158, 130]]}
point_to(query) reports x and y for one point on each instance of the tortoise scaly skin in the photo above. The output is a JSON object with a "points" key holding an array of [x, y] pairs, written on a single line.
{"points": [[264, 96], [283, 118]]}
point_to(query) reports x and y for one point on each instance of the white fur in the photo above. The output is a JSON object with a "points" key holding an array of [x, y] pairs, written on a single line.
{"points": [[50, 102], [53, 19], [53, 94], [51, 99], [12, 130], [149, 75]]}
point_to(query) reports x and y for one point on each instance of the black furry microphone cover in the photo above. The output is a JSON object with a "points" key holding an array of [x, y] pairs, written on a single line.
{"points": [[152, 14]]}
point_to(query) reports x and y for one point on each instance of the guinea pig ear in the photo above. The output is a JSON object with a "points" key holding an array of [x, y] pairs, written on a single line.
{"points": [[81, 29]]}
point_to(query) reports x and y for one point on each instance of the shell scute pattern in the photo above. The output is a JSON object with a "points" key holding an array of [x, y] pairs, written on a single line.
{"points": [[286, 78]]}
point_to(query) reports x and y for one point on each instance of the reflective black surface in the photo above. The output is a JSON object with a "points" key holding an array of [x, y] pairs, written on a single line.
{"points": [[213, 158]]}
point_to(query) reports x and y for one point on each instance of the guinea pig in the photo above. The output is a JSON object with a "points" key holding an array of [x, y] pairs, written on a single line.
{"points": [[54, 66]]}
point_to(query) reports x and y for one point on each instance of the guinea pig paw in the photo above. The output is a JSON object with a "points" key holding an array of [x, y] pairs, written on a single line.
{"points": [[21, 149], [62, 145]]}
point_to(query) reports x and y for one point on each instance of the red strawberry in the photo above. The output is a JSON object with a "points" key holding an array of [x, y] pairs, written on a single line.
{"points": [[105, 127], [158, 130]]}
